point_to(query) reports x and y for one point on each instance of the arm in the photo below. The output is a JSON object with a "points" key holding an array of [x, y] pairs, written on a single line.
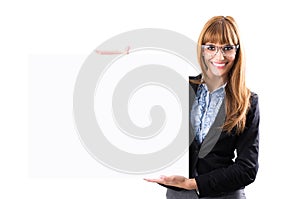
{"points": [[175, 181], [243, 171]]}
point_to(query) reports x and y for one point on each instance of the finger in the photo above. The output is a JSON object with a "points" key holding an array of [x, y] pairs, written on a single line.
{"points": [[162, 177], [153, 180]]}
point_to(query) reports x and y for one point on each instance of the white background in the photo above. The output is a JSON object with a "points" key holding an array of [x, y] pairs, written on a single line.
{"points": [[270, 32]]}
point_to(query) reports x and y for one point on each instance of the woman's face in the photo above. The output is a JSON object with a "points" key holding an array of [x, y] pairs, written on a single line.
{"points": [[219, 58]]}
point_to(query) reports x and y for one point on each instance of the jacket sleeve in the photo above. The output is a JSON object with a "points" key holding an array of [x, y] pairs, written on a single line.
{"points": [[244, 170]]}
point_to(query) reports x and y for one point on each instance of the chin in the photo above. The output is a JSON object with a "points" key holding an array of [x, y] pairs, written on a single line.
{"points": [[218, 72]]}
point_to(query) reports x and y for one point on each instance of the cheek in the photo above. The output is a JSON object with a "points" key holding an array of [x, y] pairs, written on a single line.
{"points": [[207, 61], [229, 65]]}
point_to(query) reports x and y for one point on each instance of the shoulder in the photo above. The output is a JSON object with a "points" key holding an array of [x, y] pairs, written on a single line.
{"points": [[253, 99], [198, 77], [254, 106], [194, 82]]}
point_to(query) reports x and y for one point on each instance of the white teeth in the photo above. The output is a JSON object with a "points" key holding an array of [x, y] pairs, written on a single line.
{"points": [[219, 65]]}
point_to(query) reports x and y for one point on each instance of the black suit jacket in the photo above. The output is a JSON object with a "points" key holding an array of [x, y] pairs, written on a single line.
{"points": [[216, 171]]}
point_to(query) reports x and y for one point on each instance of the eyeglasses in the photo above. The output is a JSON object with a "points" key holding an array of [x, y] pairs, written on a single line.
{"points": [[227, 50]]}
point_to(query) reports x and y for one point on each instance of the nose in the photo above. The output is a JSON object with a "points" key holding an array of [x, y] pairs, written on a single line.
{"points": [[219, 54]]}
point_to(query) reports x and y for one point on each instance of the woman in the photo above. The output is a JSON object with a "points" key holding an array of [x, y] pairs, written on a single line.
{"points": [[222, 160]]}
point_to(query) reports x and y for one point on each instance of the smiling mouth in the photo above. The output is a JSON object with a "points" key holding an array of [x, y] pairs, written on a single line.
{"points": [[219, 65]]}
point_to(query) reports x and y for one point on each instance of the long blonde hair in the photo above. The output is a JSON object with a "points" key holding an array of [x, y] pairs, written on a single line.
{"points": [[224, 30]]}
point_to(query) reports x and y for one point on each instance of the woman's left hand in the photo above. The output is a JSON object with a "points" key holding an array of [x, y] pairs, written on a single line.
{"points": [[176, 181]]}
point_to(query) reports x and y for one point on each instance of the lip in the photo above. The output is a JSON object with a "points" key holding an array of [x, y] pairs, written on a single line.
{"points": [[219, 65]]}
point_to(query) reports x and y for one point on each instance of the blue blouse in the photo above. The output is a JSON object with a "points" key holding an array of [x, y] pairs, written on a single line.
{"points": [[205, 109]]}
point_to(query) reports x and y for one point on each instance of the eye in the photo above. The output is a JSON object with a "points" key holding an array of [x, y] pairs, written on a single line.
{"points": [[211, 47], [228, 48]]}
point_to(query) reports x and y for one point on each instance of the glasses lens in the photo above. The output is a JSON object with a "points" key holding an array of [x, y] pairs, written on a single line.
{"points": [[210, 50], [229, 51]]}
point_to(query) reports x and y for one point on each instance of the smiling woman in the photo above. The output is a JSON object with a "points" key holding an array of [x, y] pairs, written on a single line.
{"points": [[224, 118]]}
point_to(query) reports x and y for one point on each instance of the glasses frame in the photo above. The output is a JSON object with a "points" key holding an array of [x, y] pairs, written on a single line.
{"points": [[220, 48]]}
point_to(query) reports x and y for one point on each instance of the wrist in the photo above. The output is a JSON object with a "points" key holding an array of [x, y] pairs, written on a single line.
{"points": [[191, 184]]}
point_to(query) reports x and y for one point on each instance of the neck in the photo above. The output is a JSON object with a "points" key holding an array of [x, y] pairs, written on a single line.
{"points": [[214, 82]]}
